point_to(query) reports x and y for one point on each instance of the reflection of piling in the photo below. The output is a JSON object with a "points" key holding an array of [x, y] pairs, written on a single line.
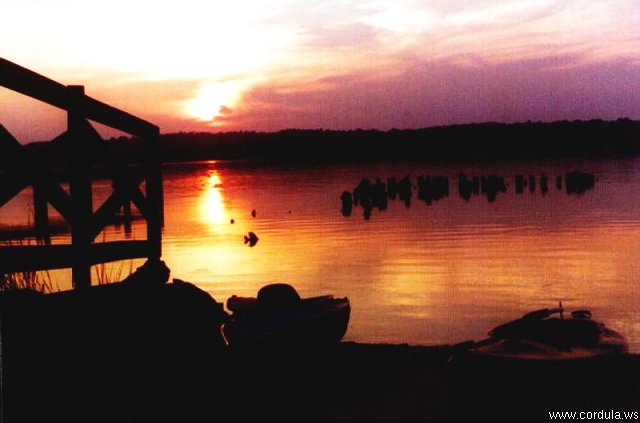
{"points": [[361, 192], [577, 182], [489, 185], [492, 185], [521, 183], [379, 197], [347, 203], [465, 187], [405, 190], [400, 189], [369, 195], [362, 196], [432, 188], [392, 188], [544, 184], [532, 183]]}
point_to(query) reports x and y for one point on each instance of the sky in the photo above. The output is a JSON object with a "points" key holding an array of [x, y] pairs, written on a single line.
{"points": [[266, 65]]}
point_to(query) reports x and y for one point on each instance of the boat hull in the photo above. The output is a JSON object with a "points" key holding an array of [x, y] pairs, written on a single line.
{"points": [[522, 349], [537, 338], [314, 321]]}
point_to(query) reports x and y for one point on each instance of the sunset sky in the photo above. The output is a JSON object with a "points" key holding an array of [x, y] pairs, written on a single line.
{"points": [[337, 64]]}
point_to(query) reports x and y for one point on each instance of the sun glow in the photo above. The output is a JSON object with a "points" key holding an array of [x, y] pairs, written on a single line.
{"points": [[213, 100]]}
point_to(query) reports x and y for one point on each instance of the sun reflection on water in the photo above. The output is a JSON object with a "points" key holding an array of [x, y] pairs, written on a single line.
{"points": [[213, 206], [431, 274]]}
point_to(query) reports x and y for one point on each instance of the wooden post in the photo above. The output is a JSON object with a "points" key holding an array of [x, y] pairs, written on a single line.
{"points": [[41, 213], [126, 211], [80, 192], [154, 195]]}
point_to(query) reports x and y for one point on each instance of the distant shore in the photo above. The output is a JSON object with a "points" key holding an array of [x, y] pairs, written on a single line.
{"points": [[481, 141]]}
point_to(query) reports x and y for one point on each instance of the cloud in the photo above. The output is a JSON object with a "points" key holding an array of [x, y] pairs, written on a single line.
{"points": [[224, 110], [339, 64], [439, 93]]}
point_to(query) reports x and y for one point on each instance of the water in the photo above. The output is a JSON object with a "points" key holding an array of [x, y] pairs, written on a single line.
{"points": [[423, 274]]}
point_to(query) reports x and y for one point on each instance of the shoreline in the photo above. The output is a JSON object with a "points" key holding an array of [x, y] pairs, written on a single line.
{"points": [[146, 351], [352, 382]]}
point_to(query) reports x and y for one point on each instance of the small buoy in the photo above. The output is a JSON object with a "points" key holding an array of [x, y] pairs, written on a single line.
{"points": [[253, 213], [233, 221], [251, 239]]}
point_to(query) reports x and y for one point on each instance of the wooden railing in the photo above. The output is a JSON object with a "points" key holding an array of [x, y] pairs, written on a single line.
{"points": [[79, 156]]}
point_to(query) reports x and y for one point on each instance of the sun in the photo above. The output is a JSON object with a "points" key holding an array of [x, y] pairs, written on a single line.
{"points": [[212, 100], [207, 103]]}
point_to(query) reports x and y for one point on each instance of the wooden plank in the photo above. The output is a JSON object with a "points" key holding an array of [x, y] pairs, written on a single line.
{"points": [[116, 118], [57, 197], [32, 84], [101, 173], [142, 203], [44, 257], [105, 252], [85, 132], [8, 143], [27, 257], [10, 186], [9, 149]]}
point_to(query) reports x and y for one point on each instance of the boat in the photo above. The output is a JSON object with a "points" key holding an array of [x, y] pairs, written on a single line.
{"points": [[548, 335], [278, 317]]}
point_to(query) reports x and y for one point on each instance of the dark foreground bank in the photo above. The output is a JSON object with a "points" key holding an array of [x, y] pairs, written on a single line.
{"points": [[152, 353], [345, 383]]}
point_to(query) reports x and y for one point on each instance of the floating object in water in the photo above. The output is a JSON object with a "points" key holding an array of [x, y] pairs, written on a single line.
{"points": [[232, 221], [251, 238], [278, 317], [253, 213], [577, 182], [347, 203]]}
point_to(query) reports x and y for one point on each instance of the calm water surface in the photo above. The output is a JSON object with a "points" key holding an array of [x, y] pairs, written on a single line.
{"points": [[420, 274], [424, 274]]}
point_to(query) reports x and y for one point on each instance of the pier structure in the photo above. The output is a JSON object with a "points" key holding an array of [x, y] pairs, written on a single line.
{"points": [[61, 174]]}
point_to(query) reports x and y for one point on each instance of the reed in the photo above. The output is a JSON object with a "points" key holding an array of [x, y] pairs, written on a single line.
{"points": [[110, 272], [33, 280], [39, 281]]}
